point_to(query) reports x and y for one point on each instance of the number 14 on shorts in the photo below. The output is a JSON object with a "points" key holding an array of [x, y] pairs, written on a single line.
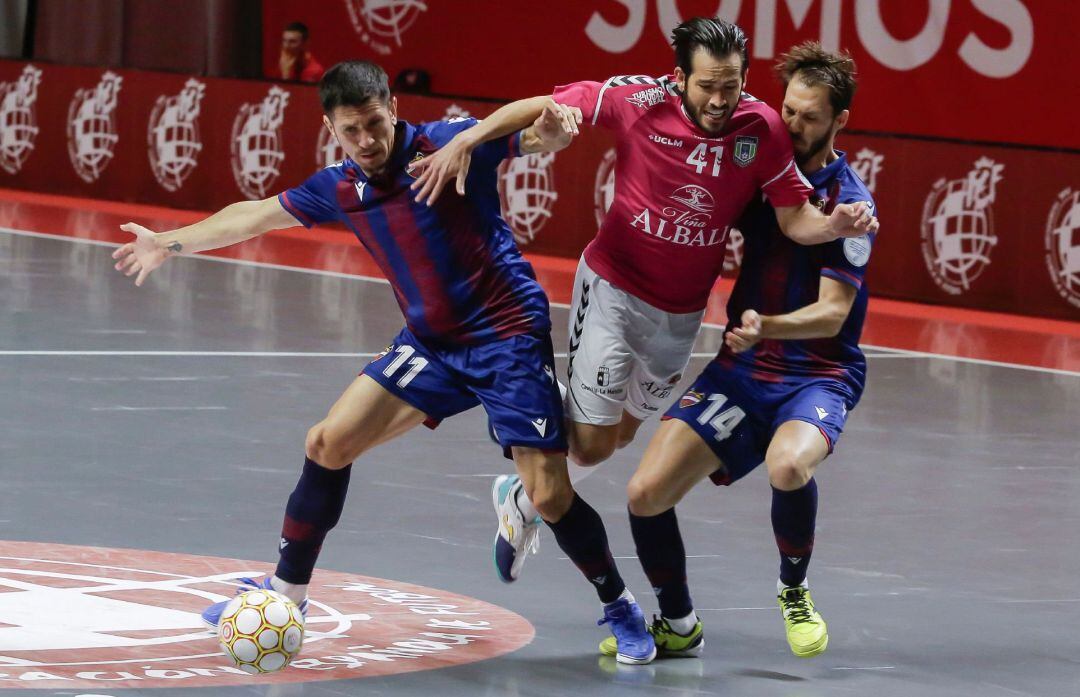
{"points": [[724, 422]]}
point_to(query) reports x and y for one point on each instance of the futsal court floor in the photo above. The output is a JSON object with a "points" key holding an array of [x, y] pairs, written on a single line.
{"points": [[165, 425]]}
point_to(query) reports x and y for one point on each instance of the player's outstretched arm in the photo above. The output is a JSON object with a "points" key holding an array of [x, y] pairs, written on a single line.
{"points": [[818, 320], [553, 130], [232, 224], [805, 224], [452, 160]]}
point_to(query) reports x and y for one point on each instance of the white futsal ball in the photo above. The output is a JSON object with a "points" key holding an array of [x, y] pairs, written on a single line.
{"points": [[261, 631]]}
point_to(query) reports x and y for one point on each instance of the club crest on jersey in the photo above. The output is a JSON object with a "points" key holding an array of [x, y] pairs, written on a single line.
{"points": [[412, 163], [745, 150], [691, 398]]}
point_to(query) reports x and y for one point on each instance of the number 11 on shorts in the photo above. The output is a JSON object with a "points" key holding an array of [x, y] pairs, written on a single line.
{"points": [[725, 422], [415, 365]]}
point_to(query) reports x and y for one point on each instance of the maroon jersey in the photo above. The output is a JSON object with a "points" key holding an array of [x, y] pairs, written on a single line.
{"points": [[679, 189]]}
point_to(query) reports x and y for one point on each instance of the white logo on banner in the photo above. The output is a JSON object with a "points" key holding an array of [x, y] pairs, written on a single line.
{"points": [[380, 21], [172, 135], [867, 164], [92, 127], [527, 190], [256, 143], [1063, 245], [958, 226], [604, 190], [18, 119], [733, 253], [328, 151], [455, 113]]}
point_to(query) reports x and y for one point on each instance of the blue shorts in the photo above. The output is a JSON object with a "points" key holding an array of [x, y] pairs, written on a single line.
{"points": [[513, 378], [738, 415]]}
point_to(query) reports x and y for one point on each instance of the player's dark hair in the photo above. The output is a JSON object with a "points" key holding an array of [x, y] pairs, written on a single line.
{"points": [[298, 26], [353, 83], [813, 65], [718, 36]]}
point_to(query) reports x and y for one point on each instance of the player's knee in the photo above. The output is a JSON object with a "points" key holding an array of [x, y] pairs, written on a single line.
{"points": [[645, 498], [591, 453], [788, 473], [323, 447]]}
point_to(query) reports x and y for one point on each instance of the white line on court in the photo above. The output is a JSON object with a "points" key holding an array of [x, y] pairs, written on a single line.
{"points": [[369, 279]]}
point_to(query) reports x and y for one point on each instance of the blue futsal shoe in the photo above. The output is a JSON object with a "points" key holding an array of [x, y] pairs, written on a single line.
{"points": [[627, 624], [516, 538], [212, 615]]}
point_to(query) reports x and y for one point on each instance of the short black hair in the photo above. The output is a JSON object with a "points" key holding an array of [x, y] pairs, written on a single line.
{"points": [[718, 36], [297, 26], [353, 83]]}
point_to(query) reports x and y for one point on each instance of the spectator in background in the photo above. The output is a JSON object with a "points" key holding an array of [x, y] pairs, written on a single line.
{"points": [[296, 63]]}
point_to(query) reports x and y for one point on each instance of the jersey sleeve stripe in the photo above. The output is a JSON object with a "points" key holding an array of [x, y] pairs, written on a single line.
{"points": [[842, 276], [283, 199]]}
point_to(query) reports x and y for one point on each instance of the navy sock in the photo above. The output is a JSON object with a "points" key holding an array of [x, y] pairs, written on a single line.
{"points": [[314, 508], [580, 533], [663, 557], [793, 517]]}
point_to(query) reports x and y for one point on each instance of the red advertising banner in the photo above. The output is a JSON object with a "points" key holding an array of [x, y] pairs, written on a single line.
{"points": [[992, 228], [971, 69]]}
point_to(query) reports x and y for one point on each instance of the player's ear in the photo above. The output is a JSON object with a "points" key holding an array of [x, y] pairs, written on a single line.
{"points": [[680, 79], [392, 106], [328, 123], [841, 120]]}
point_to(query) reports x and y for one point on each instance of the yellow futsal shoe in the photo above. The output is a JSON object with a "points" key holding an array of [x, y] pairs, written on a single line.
{"points": [[669, 644], [806, 631]]}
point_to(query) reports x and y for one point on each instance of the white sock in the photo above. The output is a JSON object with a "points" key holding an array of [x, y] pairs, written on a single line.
{"points": [[683, 625], [295, 592], [625, 595], [780, 586], [528, 511]]}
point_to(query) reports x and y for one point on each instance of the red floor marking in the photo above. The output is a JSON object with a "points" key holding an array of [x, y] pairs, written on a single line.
{"points": [[951, 331], [146, 631]]}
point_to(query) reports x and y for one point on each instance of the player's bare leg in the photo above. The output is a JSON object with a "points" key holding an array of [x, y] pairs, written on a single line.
{"points": [[580, 533], [675, 461], [794, 453], [591, 444], [364, 416]]}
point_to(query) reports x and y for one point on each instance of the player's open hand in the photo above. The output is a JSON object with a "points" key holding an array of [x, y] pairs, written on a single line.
{"points": [[853, 219], [435, 171], [140, 256], [741, 338], [557, 125]]}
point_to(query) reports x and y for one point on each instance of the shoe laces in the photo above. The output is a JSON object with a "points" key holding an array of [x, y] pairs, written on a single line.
{"points": [[797, 604]]}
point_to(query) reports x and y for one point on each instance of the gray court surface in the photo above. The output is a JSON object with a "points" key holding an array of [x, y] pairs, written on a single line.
{"points": [[946, 562]]}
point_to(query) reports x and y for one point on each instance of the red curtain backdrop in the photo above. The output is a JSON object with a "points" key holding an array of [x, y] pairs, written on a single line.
{"points": [[971, 69], [994, 228]]}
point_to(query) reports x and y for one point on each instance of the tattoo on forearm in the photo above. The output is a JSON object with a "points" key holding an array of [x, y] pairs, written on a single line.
{"points": [[174, 247]]}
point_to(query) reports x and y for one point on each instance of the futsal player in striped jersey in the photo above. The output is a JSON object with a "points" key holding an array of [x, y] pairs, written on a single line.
{"points": [[477, 331]]}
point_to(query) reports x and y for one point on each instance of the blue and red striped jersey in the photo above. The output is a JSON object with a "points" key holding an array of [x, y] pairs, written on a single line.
{"points": [[454, 267], [779, 276]]}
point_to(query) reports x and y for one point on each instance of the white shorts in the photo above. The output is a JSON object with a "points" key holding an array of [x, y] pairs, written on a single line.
{"points": [[625, 354]]}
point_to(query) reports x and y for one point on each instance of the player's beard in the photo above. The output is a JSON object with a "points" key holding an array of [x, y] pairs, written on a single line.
{"points": [[813, 150], [695, 116]]}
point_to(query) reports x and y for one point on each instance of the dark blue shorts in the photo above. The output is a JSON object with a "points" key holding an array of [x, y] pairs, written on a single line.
{"points": [[738, 415], [513, 378]]}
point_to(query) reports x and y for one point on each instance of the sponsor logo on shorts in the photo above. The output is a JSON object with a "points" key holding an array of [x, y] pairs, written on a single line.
{"points": [[690, 398], [614, 391], [821, 413], [657, 389], [603, 376]]}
